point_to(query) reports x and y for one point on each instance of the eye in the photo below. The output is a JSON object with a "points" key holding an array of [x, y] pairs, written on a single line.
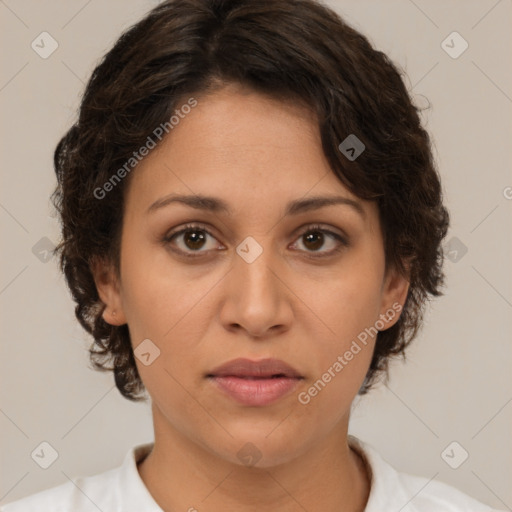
{"points": [[315, 237], [192, 238]]}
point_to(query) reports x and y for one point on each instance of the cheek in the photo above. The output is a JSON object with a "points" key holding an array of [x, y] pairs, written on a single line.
{"points": [[347, 305], [166, 304], [349, 300], [160, 296], [340, 361]]}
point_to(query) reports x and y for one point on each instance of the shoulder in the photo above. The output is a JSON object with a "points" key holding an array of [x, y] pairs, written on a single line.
{"points": [[432, 495], [110, 490], [392, 490], [79, 495]]}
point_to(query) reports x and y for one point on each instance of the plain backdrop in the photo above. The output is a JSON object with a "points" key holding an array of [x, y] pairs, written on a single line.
{"points": [[455, 385]]}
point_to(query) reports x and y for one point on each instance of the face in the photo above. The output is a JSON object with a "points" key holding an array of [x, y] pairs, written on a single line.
{"points": [[259, 271]]}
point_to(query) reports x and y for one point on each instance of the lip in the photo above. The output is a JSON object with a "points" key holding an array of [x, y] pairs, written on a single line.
{"points": [[255, 383], [243, 367]]}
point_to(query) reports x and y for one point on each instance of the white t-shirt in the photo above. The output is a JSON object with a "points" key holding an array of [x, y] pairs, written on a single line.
{"points": [[122, 490]]}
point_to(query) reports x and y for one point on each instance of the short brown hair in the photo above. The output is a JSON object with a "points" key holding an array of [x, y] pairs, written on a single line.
{"points": [[286, 49]]}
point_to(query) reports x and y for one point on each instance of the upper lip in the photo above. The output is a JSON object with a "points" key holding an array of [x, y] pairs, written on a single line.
{"points": [[242, 367]]}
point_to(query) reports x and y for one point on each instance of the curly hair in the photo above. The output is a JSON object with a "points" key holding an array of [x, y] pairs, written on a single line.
{"points": [[296, 50]]}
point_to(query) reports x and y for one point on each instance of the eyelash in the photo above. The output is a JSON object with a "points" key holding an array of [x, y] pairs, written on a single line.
{"points": [[314, 228]]}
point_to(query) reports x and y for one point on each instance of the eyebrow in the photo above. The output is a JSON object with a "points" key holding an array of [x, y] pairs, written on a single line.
{"points": [[216, 205]]}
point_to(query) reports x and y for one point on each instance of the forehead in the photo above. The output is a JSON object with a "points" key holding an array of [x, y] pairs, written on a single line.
{"points": [[239, 145]]}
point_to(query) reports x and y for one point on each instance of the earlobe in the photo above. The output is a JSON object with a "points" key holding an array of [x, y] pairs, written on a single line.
{"points": [[109, 292], [113, 317]]}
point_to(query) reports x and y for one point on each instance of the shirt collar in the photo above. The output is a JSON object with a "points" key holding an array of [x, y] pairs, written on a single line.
{"points": [[136, 496], [387, 490]]}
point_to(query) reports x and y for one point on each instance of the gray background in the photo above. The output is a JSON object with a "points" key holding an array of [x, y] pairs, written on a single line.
{"points": [[456, 383]]}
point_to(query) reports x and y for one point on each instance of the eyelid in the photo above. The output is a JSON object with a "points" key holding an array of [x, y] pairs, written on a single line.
{"points": [[319, 226], [189, 226]]}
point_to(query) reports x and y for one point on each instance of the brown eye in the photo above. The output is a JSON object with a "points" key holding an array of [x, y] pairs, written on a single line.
{"points": [[194, 239], [313, 240], [191, 241], [324, 242]]}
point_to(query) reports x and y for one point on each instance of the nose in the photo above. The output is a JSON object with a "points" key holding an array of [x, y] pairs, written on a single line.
{"points": [[257, 297]]}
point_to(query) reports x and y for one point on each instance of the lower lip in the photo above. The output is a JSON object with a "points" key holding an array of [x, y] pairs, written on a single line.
{"points": [[256, 392]]}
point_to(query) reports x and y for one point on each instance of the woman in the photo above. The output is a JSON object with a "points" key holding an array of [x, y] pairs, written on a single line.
{"points": [[252, 223]]}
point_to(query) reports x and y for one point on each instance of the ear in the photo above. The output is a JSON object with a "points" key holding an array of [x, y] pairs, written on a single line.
{"points": [[394, 293], [109, 291]]}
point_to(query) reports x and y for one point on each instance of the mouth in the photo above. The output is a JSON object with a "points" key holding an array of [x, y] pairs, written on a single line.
{"points": [[262, 369], [255, 383]]}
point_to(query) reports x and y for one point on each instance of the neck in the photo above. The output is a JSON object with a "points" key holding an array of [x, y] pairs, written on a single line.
{"points": [[181, 474]]}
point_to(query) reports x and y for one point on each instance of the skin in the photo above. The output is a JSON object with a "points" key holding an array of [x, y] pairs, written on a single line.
{"points": [[256, 154]]}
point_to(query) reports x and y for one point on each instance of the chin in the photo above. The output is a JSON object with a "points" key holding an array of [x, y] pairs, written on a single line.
{"points": [[260, 446]]}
